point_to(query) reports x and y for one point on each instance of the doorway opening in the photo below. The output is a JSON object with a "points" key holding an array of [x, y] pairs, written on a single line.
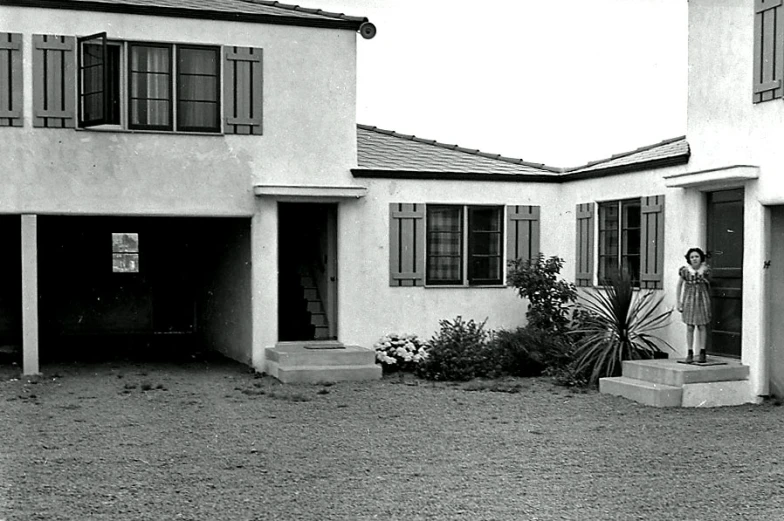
{"points": [[307, 274]]}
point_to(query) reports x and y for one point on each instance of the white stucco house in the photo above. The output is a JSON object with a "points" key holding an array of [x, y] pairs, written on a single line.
{"points": [[207, 179]]}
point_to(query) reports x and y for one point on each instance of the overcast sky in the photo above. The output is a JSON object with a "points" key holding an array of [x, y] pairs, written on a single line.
{"points": [[560, 82]]}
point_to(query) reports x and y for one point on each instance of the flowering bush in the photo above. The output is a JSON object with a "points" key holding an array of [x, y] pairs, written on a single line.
{"points": [[400, 352]]}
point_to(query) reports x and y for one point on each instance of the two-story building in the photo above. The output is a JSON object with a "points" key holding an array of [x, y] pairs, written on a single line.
{"points": [[166, 167]]}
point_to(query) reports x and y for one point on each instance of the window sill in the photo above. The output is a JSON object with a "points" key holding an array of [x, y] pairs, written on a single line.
{"points": [[121, 130], [465, 286]]}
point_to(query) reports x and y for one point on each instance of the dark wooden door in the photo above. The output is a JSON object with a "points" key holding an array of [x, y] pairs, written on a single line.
{"points": [[725, 250]]}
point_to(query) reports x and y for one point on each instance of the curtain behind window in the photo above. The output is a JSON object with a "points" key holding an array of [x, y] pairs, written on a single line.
{"points": [[444, 245], [197, 89], [150, 86]]}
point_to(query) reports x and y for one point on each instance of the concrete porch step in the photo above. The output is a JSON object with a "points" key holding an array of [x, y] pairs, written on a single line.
{"points": [[670, 372], [648, 393], [321, 361], [667, 383]]}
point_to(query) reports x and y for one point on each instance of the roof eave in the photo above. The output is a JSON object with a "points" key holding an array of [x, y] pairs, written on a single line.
{"points": [[176, 12], [680, 159], [453, 176]]}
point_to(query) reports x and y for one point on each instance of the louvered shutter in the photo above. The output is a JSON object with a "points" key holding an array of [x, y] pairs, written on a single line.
{"points": [[10, 80], [242, 79], [651, 242], [584, 248], [406, 244], [53, 81], [522, 232], [768, 49]]}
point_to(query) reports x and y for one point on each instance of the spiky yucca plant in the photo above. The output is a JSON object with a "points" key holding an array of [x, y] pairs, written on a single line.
{"points": [[618, 325]]}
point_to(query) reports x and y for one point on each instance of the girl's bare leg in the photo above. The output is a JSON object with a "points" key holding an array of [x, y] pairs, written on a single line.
{"points": [[690, 342]]}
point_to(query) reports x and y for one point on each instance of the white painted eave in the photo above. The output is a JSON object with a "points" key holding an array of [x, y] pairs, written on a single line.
{"points": [[310, 192], [714, 178]]}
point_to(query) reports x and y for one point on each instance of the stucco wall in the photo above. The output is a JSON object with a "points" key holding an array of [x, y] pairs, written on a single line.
{"points": [[370, 308], [224, 307], [309, 126]]}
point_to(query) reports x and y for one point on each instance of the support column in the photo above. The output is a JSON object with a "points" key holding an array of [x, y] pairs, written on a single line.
{"points": [[756, 224], [264, 276], [30, 294]]}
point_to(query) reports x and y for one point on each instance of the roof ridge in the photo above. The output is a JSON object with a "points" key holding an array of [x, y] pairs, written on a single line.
{"points": [[471, 151], [291, 7], [625, 154]]}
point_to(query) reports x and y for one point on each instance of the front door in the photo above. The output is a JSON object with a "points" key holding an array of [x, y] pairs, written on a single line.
{"points": [[725, 251]]}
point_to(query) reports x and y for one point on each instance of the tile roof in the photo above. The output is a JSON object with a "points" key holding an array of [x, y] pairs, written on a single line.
{"points": [[668, 149], [386, 150], [382, 152], [202, 8]]}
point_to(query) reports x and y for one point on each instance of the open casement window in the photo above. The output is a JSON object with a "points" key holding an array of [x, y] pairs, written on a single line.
{"points": [[98, 82], [630, 236], [768, 50]]}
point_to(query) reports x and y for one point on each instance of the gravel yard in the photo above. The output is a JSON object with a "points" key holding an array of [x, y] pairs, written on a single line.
{"points": [[212, 441]]}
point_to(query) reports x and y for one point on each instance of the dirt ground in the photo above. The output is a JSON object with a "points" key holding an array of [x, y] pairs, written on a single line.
{"points": [[213, 441]]}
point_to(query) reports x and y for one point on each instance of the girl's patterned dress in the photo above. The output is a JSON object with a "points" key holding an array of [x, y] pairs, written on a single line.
{"points": [[696, 295]]}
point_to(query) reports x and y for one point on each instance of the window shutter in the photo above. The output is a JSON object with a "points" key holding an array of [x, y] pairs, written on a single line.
{"points": [[768, 46], [53, 81], [651, 241], [10, 80], [406, 244], [584, 251], [242, 78], [522, 235]]}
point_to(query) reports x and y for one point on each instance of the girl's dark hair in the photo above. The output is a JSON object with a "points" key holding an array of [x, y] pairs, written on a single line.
{"points": [[692, 250]]}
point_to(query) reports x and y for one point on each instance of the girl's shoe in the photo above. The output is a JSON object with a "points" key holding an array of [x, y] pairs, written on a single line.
{"points": [[690, 357], [703, 357]]}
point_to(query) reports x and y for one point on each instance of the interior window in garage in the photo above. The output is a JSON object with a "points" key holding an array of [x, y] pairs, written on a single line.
{"points": [[125, 252]]}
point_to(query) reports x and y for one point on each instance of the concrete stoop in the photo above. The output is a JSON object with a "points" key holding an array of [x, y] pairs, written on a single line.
{"points": [[667, 383], [321, 361]]}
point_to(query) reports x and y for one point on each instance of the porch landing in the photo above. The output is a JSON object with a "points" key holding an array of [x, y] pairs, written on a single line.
{"points": [[321, 361], [668, 383]]}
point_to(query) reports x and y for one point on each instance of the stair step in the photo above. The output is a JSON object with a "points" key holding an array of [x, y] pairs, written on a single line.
{"points": [[315, 306], [670, 372], [293, 355], [310, 293], [318, 319], [648, 393], [717, 394], [323, 374]]}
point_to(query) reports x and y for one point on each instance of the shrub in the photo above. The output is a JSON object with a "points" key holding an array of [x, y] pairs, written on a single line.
{"points": [[457, 352], [400, 352], [617, 325], [549, 299], [526, 351]]}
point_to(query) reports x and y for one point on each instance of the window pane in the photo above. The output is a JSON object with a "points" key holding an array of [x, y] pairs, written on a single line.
{"points": [[484, 245], [198, 61], [125, 262], [195, 115], [486, 270], [444, 245], [125, 242], [150, 87], [197, 88]]}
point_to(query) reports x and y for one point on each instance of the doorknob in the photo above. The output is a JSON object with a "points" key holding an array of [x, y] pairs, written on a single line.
{"points": [[332, 279]]}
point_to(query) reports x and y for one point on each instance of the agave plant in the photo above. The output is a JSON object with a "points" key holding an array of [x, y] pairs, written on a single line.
{"points": [[618, 324]]}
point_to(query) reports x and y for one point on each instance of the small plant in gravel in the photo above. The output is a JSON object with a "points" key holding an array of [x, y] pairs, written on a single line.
{"points": [[549, 298], [618, 324], [457, 352], [400, 352]]}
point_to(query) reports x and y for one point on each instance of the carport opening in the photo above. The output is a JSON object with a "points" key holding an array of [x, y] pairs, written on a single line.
{"points": [[10, 288], [143, 288]]}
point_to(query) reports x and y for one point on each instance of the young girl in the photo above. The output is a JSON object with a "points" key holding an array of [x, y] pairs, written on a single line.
{"points": [[694, 300]]}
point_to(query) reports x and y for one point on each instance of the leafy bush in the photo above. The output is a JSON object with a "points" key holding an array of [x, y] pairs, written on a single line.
{"points": [[549, 299], [617, 325], [457, 352], [526, 351], [400, 352]]}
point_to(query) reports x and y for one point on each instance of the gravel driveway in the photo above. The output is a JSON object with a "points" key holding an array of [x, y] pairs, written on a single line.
{"points": [[212, 441]]}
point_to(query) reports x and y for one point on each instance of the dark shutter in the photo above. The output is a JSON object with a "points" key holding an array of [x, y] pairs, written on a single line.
{"points": [[242, 80], [768, 50], [10, 80], [584, 249], [652, 242], [406, 244], [93, 84], [53, 81], [522, 235]]}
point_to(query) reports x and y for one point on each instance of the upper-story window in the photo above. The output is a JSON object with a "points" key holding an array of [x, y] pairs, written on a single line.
{"points": [[768, 50], [165, 86]]}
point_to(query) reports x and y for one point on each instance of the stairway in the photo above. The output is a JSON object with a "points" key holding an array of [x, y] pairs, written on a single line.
{"points": [[667, 383], [321, 362], [315, 305]]}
